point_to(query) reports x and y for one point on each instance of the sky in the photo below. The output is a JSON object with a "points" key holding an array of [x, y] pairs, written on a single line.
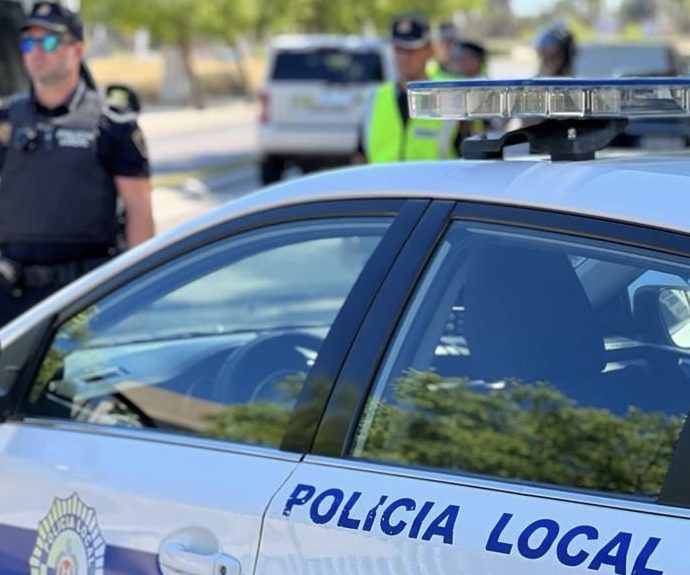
{"points": [[533, 7]]}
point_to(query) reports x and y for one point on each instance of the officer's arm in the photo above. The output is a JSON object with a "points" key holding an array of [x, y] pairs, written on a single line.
{"points": [[127, 157], [5, 130], [136, 194]]}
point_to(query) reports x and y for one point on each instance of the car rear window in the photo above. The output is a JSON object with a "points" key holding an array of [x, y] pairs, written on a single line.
{"points": [[610, 60], [328, 65]]}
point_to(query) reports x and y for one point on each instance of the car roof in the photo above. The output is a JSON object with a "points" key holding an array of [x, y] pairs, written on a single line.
{"points": [[653, 191]]}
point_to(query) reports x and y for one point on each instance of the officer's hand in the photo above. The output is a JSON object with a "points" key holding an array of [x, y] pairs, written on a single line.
{"points": [[358, 158]]}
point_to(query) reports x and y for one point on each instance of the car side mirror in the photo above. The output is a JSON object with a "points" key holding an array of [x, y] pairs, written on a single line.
{"points": [[674, 310], [662, 314]]}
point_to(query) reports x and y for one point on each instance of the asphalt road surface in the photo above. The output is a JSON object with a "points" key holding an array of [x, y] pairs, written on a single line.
{"points": [[203, 158]]}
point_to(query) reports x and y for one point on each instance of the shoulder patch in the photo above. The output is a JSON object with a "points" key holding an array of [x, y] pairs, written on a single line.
{"points": [[139, 142]]}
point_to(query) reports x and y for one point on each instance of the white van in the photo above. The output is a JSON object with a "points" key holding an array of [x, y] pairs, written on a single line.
{"points": [[313, 99]]}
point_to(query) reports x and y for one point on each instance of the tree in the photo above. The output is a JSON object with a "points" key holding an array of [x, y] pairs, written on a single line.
{"points": [[177, 23]]}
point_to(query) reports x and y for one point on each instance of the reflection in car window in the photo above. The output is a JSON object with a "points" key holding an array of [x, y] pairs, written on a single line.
{"points": [[217, 342], [527, 356]]}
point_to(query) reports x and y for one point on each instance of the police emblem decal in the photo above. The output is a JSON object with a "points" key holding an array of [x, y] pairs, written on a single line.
{"points": [[69, 541]]}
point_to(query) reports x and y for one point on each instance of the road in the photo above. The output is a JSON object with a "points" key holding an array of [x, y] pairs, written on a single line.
{"points": [[202, 158]]}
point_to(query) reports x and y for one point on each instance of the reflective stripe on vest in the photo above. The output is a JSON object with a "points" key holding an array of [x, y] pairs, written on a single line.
{"points": [[387, 140]]}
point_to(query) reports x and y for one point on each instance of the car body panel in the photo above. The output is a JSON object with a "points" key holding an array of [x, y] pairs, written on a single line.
{"points": [[352, 517], [120, 479]]}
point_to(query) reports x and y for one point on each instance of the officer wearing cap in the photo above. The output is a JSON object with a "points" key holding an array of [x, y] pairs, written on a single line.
{"points": [[388, 133], [555, 46], [469, 59], [65, 158]]}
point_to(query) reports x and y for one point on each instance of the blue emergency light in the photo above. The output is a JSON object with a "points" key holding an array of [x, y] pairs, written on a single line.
{"points": [[579, 115], [551, 98]]}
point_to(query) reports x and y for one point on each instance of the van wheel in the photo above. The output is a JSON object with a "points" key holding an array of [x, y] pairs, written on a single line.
{"points": [[272, 169]]}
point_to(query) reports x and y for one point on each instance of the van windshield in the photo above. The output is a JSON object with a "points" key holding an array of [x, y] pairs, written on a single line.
{"points": [[328, 65]]}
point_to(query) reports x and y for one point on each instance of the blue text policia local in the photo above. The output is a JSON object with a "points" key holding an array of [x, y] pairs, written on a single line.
{"points": [[581, 545]]}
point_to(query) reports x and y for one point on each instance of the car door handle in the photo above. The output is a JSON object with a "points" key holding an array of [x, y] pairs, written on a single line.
{"points": [[175, 559]]}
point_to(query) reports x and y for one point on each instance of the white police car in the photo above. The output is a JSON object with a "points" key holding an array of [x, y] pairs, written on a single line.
{"points": [[478, 367]]}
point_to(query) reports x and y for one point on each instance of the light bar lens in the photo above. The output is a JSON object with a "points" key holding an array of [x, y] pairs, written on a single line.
{"points": [[551, 98]]}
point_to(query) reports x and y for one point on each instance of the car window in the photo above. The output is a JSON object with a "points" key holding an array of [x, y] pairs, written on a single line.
{"points": [[216, 342], [328, 65], [537, 357], [624, 60]]}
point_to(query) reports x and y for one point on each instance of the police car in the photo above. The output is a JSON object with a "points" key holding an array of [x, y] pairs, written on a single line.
{"points": [[477, 367]]}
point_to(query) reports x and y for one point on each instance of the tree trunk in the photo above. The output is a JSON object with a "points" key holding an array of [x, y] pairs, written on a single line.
{"points": [[196, 89], [241, 55]]}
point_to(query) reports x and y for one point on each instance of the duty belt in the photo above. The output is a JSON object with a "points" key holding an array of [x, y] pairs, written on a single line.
{"points": [[14, 277]]}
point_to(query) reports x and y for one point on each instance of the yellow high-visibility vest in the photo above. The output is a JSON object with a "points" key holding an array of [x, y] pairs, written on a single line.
{"points": [[388, 140]]}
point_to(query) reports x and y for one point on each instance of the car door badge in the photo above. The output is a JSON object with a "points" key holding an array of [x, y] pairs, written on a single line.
{"points": [[68, 541]]}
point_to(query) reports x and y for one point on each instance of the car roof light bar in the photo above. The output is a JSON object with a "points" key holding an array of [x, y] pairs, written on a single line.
{"points": [[556, 98]]}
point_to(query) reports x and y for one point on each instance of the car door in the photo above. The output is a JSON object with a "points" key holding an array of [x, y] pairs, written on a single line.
{"points": [[520, 412], [162, 412]]}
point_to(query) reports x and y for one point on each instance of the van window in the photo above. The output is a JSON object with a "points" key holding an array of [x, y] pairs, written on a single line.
{"points": [[328, 65]]}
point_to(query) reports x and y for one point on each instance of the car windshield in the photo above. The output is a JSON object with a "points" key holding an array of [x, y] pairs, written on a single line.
{"points": [[328, 65], [624, 60]]}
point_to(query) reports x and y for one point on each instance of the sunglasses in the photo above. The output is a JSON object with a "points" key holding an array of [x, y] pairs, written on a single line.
{"points": [[48, 43]]}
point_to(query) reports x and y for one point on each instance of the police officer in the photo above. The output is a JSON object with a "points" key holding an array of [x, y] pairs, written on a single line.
{"points": [[441, 67], [469, 59], [388, 133], [555, 47], [65, 157]]}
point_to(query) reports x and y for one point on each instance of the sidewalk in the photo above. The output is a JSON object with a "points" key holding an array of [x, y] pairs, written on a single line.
{"points": [[170, 119]]}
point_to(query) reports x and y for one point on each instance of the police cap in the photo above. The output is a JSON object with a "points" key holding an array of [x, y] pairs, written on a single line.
{"points": [[56, 18], [410, 32]]}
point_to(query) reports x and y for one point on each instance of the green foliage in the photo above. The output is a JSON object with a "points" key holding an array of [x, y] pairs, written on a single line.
{"points": [[76, 330], [529, 432], [259, 423], [172, 21]]}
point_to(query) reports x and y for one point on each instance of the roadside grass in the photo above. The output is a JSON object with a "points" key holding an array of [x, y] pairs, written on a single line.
{"points": [[145, 74]]}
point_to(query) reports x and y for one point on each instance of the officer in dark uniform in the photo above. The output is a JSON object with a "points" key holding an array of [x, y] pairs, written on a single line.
{"points": [[555, 46], [65, 158]]}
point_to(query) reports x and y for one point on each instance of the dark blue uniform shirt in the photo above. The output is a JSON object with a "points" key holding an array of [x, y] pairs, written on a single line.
{"points": [[122, 151]]}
